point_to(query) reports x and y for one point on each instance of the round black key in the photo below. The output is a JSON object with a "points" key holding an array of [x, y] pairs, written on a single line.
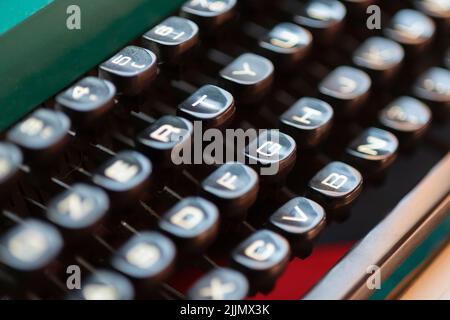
{"points": [[209, 14], [308, 121], [102, 285], [147, 258], [407, 117], [262, 257], [287, 44], [79, 208], [272, 154], [300, 219], [412, 29], [126, 177], [30, 246], [211, 105], [171, 39], [42, 135], [164, 140], [10, 161], [248, 78], [233, 187], [380, 57], [372, 151], [192, 223], [87, 101], [336, 186], [324, 18], [132, 69], [433, 87], [219, 284], [346, 89], [438, 10]]}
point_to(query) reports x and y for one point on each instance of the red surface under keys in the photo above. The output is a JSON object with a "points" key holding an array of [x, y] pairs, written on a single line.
{"points": [[301, 275]]}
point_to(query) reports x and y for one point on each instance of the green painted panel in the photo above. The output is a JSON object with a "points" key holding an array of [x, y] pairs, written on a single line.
{"points": [[14, 12], [40, 56]]}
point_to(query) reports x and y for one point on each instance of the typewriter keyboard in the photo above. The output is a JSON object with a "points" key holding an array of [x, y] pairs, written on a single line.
{"points": [[347, 119]]}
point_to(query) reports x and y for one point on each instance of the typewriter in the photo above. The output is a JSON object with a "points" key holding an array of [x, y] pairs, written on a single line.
{"points": [[116, 117]]}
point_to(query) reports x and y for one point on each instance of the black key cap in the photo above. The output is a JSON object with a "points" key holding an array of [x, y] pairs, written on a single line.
{"points": [[287, 44], [433, 87], [42, 135], [87, 101], [336, 186], [164, 138], [172, 39], [262, 257], [272, 154], [126, 177], [324, 18], [300, 220], [346, 89], [30, 246], [233, 187], [10, 162], [372, 151], [248, 78], [380, 57], [407, 117], [219, 284], [79, 208], [438, 10], [132, 69], [209, 104], [192, 223], [104, 285], [308, 121], [209, 14], [147, 258], [412, 29]]}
